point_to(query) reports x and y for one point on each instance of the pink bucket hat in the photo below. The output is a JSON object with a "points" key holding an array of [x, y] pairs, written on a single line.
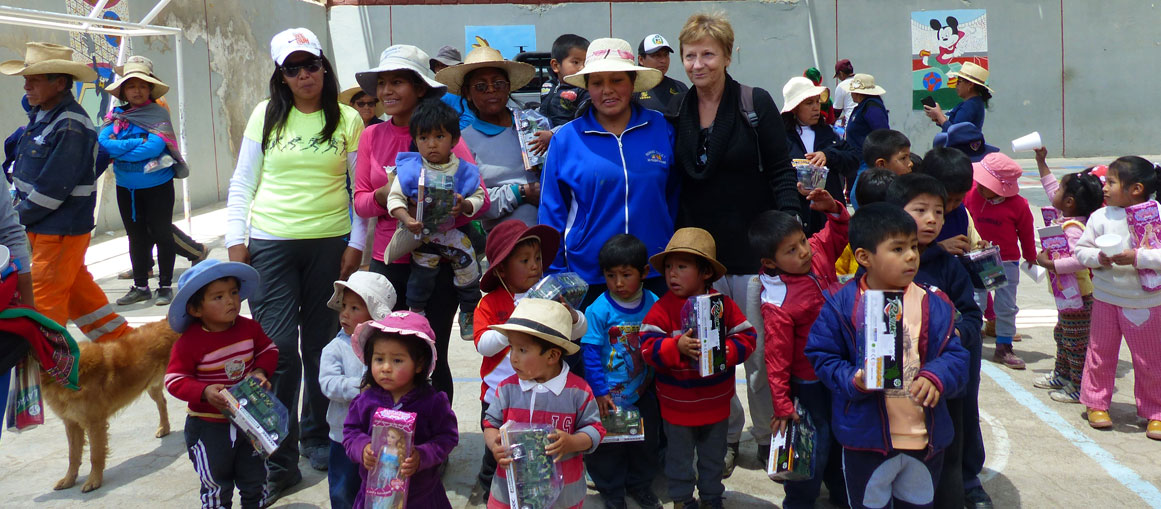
{"points": [[403, 323], [999, 173]]}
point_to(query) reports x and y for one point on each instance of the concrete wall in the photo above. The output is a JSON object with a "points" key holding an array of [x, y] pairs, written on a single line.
{"points": [[1077, 115]]}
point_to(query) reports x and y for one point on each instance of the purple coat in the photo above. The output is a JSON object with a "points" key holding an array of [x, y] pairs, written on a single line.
{"points": [[436, 434]]}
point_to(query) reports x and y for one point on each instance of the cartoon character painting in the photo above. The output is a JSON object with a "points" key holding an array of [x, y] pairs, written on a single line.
{"points": [[941, 41]]}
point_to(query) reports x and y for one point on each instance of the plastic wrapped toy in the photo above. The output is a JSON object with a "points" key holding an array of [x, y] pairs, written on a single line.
{"points": [[392, 433], [1065, 287], [567, 284], [534, 479], [623, 424], [985, 268], [703, 315], [25, 405], [882, 341], [257, 413], [792, 451], [437, 197], [527, 124], [809, 175]]}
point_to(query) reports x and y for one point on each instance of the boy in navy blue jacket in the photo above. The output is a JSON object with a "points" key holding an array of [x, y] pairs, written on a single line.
{"points": [[560, 101], [893, 440]]}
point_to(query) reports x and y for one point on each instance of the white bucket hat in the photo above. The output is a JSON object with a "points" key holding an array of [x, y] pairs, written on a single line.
{"points": [[608, 54], [863, 84], [401, 57], [374, 288], [48, 58], [294, 39], [796, 90], [974, 73], [141, 68]]}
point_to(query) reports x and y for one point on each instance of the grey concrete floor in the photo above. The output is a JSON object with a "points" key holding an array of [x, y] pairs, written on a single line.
{"points": [[1041, 454]]}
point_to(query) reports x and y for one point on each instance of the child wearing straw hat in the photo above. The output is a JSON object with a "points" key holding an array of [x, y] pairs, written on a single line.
{"points": [[695, 409], [139, 137]]}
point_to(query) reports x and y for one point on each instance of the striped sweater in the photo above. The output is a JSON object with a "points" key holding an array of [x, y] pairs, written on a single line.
{"points": [[686, 398], [201, 358], [565, 402]]}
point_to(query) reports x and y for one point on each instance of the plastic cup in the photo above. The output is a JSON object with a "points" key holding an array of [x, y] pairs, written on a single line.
{"points": [[1110, 244], [1030, 141]]}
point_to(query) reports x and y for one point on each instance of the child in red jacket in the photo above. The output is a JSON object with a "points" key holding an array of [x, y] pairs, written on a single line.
{"points": [[795, 272], [695, 409]]}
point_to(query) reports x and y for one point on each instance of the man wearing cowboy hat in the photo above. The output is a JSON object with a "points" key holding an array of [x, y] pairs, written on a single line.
{"points": [[55, 185]]}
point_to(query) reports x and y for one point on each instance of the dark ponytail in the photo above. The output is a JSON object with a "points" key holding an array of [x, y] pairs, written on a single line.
{"points": [[984, 93], [1086, 191], [1137, 170]]}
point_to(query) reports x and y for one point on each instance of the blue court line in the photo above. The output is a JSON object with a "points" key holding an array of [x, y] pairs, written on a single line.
{"points": [[1125, 475]]}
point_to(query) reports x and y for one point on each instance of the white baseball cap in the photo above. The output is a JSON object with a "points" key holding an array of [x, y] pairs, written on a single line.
{"points": [[653, 43], [294, 39]]}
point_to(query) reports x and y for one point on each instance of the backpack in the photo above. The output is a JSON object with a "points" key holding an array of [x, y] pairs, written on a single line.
{"points": [[746, 105]]}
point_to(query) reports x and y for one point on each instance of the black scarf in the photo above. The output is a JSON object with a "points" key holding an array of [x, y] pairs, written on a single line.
{"points": [[689, 129]]}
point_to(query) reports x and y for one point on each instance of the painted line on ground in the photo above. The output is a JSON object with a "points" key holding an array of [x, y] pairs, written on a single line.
{"points": [[1128, 477], [1000, 450]]}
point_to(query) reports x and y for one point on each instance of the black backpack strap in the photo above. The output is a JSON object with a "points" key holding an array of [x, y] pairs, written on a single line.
{"points": [[747, 106]]}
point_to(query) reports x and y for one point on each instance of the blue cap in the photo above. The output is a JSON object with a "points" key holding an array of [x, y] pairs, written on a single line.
{"points": [[201, 275], [966, 137]]}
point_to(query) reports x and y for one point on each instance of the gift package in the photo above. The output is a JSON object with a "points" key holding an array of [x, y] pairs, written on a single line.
{"points": [[392, 434], [527, 125], [25, 408], [1144, 228], [258, 414], [985, 268], [792, 451], [623, 424], [565, 284], [534, 479], [809, 175], [1065, 287], [1050, 214], [702, 314], [882, 342], [436, 198]]}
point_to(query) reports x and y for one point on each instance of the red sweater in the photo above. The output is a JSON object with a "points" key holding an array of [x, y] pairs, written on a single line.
{"points": [[790, 304], [686, 398], [1003, 224], [201, 358], [493, 309]]}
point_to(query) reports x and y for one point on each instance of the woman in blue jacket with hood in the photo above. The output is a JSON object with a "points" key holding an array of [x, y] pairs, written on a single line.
{"points": [[608, 171]]}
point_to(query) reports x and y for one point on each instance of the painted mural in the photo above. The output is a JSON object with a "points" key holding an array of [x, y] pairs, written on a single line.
{"points": [[941, 41], [98, 51]]}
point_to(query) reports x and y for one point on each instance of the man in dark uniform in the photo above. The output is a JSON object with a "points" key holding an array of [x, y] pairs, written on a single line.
{"points": [[653, 52]]}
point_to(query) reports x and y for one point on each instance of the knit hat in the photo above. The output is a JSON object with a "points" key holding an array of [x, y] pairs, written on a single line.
{"points": [[374, 288], [201, 275], [503, 239], [694, 241], [999, 173], [402, 323], [546, 319]]}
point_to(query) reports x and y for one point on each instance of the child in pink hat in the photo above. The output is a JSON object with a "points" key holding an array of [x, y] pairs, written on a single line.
{"points": [[1003, 218]]}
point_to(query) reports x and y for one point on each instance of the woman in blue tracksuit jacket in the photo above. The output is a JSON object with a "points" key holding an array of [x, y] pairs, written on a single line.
{"points": [[596, 184]]}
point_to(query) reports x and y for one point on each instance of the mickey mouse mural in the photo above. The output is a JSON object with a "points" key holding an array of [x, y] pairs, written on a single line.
{"points": [[941, 41]]}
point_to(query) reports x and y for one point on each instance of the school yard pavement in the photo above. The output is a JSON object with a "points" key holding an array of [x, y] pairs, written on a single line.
{"points": [[1041, 454]]}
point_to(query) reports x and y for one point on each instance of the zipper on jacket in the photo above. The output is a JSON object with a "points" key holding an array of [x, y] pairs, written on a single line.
{"points": [[624, 165]]}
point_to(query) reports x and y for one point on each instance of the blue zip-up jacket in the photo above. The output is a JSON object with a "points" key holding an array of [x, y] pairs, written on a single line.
{"points": [[131, 150], [859, 418], [54, 170], [596, 185], [869, 115]]}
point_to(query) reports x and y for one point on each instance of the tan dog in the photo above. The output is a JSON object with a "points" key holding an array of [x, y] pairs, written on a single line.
{"points": [[112, 374]]}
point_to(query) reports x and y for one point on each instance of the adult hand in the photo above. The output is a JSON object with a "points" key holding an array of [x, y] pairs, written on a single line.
{"points": [[539, 145], [860, 380], [816, 158], [935, 114], [350, 262], [956, 245], [239, 253], [689, 346], [605, 404], [24, 287], [532, 193]]}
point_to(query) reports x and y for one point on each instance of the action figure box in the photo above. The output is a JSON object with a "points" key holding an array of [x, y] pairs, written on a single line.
{"points": [[809, 175], [703, 314], [565, 284], [985, 268], [882, 321], [392, 434], [1144, 227], [259, 415], [527, 125], [792, 451], [623, 424], [436, 198], [534, 479]]}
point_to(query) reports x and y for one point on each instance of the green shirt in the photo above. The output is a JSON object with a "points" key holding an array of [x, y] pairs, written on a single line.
{"points": [[302, 188]]}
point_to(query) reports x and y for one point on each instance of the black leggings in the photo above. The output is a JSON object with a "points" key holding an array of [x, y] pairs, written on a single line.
{"points": [[148, 216]]}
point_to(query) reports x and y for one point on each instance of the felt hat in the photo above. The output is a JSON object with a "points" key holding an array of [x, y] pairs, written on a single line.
{"points": [[999, 173], [546, 319], [862, 84], [447, 55], [401, 57], [503, 239], [796, 90], [694, 241], [843, 66], [974, 73], [346, 95], [966, 137], [608, 54], [519, 73], [374, 288], [402, 323], [48, 58], [141, 68], [293, 39], [202, 274], [653, 43]]}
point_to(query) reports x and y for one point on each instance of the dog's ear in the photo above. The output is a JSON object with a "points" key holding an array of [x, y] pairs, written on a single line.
{"points": [[936, 25], [953, 23]]}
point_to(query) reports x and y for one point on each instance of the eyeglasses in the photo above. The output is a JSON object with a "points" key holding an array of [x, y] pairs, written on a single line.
{"points": [[366, 104], [499, 85], [310, 66]]}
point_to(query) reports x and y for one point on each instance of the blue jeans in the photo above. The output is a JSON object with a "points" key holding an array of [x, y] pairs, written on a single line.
{"points": [[343, 477], [815, 400]]}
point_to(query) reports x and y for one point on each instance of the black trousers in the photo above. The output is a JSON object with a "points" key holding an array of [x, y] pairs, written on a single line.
{"points": [[223, 458], [623, 468], [440, 312], [148, 216]]}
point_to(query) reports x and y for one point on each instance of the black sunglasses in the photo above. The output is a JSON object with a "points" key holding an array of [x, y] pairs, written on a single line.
{"points": [[310, 66], [366, 104], [499, 85]]}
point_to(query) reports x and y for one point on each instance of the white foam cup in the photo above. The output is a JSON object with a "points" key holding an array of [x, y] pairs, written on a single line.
{"points": [[1030, 141], [1110, 244]]}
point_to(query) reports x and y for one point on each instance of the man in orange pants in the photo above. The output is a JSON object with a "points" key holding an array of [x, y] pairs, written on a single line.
{"points": [[55, 179]]}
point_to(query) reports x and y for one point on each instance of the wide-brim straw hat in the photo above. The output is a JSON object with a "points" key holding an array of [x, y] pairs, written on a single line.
{"points": [[346, 95], [694, 241], [546, 319], [141, 68], [48, 58], [862, 84], [609, 54], [974, 73], [519, 73], [401, 57], [796, 90]]}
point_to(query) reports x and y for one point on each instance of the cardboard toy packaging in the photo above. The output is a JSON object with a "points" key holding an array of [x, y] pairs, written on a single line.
{"points": [[1050, 214], [703, 315], [392, 436], [527, 126], [437, 197], [259, 415], [1065, 287], [985, 268], [882, 321], [1145, 227], [534, 479], [792, 451], [623, 424]]}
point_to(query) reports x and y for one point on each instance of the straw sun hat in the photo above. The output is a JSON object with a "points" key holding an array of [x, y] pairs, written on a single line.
{"points": [[48, 58], [694, 241], [141, 68], [519, 73], [611, 55], [796, 90], [974, 73], [863, 84], [346, 95]]}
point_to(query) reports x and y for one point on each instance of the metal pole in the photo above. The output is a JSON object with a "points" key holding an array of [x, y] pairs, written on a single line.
{"points": [[154, 11], [813, 44], [181, 129], [93, 13]]}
